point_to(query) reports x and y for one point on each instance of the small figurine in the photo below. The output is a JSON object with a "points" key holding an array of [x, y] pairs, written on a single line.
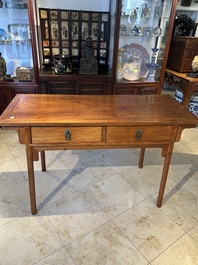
{"points": [[88, 63], [3, 69]]}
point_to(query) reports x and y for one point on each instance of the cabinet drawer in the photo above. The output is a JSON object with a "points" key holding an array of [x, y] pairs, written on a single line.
{"points": [[127, 134], [66, 134]]}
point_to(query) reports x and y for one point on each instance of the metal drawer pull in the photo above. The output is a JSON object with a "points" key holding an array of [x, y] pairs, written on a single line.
{"points": [[67, 134], [139, 133]]}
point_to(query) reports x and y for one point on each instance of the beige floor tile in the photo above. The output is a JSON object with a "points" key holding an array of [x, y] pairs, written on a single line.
{"points": [[14, 202], [189, 135], [74, 156], [5, 155], [191, 183], [91, 170], [148, 229], [27, 240], [119, 159], [60, 257], [181, 206], [146, 180], [75, 215], [16, 149], [115, 195], [10, 178], [194, 232], [9, 135], [105, 245], [182, 252], [55, 184], [181, 173]]}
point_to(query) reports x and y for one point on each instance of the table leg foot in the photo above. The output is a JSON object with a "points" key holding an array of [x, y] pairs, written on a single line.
{"points": [[43, 163], [141, 159]]}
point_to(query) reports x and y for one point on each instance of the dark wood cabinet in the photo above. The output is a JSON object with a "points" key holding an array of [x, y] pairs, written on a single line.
{"points": [[182, 52], [8, 90], [50, 83]]}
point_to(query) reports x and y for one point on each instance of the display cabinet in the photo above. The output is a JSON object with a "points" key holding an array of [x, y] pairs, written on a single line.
{"points": [[142, 34], [17, 48]]}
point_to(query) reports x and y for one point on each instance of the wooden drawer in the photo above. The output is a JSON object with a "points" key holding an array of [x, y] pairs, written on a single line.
{"points": [[127, 134], [66, 134]]}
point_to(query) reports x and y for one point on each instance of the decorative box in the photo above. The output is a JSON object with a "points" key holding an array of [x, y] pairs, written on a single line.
{"points": [[182, 52], [24, 74]]}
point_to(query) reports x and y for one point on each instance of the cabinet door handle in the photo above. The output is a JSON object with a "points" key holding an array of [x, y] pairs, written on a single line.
{"points": [[139, 133], [67, 134]]}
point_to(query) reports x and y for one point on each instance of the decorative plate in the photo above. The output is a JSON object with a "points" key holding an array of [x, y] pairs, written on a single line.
{"points": [[3, 34], [134, 59]]}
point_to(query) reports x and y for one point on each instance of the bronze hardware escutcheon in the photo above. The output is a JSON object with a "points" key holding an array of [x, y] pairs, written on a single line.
{"points": [[67, 134], [139, 133]]}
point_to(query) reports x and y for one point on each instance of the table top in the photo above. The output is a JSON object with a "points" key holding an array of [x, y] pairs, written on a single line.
{"points": [[85, 110]]}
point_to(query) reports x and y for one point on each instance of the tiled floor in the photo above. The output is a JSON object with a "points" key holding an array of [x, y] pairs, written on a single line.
{"points": [[98, 207]]}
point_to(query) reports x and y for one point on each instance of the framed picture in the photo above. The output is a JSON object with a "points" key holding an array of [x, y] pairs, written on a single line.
{"points": [[55, 43], [186, 2], [102, 53], [45, 43], [54, 14], [46, 52], [55, 51], [75, 30], [95, 16], [64, 15], [75, 44], [103, 45], [85, 30], [65, 44], [94, 31], [105, 17], [75, 15], [54, 29], [43, 13], [65, 51], [85, 16], [75, 52], [64, 30]]}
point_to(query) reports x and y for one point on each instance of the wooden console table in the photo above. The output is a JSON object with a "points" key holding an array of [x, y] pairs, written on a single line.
{"points": [[188, 85], [60, 122]]}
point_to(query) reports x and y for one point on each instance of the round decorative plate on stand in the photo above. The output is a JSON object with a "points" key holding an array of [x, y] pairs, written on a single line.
{"points": [[3, 34], [134, 59]]}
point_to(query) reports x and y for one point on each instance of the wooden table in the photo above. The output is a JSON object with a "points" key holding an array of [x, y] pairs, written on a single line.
{"points": [[60, 122], [188, 85]]}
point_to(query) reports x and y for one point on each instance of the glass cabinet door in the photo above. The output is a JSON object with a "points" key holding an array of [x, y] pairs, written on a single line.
{"points": [[65, 27], [15, 41], [142, 39]]}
